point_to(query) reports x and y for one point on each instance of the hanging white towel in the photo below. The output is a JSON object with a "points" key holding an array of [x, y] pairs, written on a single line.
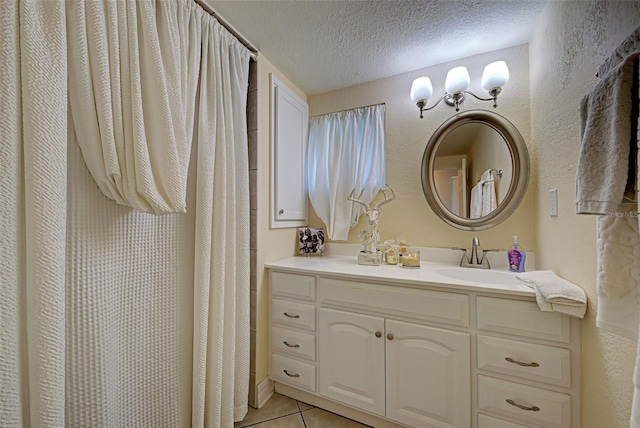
{"points": [[630, 45], [635, 405], [476, 201], [618, 281], [556, 294], [605, 115], [489, 202]]}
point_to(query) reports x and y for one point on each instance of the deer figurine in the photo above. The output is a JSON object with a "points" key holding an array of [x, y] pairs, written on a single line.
{"points": [[370, 236]]}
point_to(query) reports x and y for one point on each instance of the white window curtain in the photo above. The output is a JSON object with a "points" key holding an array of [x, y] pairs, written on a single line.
{"points": [[346, 151], [111, 317], [134, 73]]}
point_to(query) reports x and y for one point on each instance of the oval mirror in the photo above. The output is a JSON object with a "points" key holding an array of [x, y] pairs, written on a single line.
{"points": [[475, 170]]}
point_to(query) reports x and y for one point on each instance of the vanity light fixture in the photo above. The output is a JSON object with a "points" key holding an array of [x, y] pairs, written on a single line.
{"points": [[494, 77]]}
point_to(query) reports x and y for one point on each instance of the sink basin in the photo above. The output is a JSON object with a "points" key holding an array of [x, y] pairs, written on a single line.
{"points": [[478, 275]]}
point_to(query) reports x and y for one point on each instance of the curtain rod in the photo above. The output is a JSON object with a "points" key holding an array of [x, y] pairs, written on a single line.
{"points": [[229, 27], [347, 109]]}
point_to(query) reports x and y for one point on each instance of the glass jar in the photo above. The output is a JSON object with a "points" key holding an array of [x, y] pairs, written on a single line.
{"points": [[411, 259], [392, 256]]}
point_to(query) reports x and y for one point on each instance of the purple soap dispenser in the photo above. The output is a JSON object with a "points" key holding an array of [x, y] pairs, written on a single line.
{"points": [[516, 257]]}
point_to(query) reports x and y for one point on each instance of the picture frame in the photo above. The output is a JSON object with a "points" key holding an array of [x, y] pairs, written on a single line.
{"points": [[311, 240]]}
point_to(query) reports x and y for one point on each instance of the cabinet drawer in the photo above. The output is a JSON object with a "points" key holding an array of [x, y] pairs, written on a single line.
{"points": [[526, 360], [293, 343], [522, 319], [293, 314], [485, 421], [295, 286], [292, 372], [428, 305], [540, 407]]}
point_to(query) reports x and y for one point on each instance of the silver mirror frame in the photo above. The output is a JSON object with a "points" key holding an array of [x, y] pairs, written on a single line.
{"points": [[519, 163]]}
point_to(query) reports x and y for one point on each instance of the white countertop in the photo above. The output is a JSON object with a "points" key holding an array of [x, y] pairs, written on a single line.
{"points": [[427, 275]]}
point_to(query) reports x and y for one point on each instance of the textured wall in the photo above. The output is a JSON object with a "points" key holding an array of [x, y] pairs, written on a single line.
{"points": [[407, 136], [571, 41]]}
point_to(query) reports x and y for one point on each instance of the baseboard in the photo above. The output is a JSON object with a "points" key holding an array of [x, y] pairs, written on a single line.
{"points": [[264, 391], [335, 407]]}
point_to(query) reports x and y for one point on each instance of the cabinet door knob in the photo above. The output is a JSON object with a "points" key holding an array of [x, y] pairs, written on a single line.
{"points": [[520, 406], [291, 374], [295, 345], [390, 336], [378, 334], [520, 363], [281, 212], [291, 316]]}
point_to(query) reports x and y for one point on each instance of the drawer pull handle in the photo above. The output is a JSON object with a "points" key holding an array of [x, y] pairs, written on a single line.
{"points": [[520, 406], [290, 345], [520, 363], [290, 374], [378, 334], [291, 316], [390, 336]]}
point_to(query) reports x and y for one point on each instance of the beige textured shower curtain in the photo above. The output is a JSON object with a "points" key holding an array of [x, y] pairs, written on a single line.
{"points": [[112, 317]]}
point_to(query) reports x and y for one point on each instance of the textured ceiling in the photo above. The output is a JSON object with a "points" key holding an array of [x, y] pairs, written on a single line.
{"points": [[327, 45]]}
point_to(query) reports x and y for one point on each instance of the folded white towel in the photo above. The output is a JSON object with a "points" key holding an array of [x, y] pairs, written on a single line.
{"points": [[605, 115], [574, 311], [556, 294]]}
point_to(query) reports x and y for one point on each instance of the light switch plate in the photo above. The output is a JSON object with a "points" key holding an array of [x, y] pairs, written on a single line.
{"points": [[553, 202]]}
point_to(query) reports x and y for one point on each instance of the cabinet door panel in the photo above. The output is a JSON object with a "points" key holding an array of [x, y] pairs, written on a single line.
{"points": [[293, 314], [351, 359], [522, 319], [293, 286], [428, 376], [485, 421], [516, 401], [293, 372], [525, 360], [294, 343], [289, 125]]}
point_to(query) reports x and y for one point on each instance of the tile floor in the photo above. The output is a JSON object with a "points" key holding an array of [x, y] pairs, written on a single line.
{"points": [[285, 412]]}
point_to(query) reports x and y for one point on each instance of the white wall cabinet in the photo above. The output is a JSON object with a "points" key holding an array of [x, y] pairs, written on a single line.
{"points": [[289, 128], [391, 351]]}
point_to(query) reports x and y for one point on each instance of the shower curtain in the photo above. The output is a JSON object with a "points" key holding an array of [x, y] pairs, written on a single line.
{"points": [[112, 317]]}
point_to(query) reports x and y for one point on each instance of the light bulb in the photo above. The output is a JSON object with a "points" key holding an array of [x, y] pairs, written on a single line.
{"points": [[495, 75], [421, 89], [457, 80]]}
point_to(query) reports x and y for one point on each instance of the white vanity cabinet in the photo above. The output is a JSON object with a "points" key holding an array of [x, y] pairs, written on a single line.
{"points": [[293, 327], [520, 378], [407, 372], [394, 351]]}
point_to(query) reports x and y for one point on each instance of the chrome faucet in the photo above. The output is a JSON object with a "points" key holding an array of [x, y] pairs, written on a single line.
{"points": [[475, 261]]}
